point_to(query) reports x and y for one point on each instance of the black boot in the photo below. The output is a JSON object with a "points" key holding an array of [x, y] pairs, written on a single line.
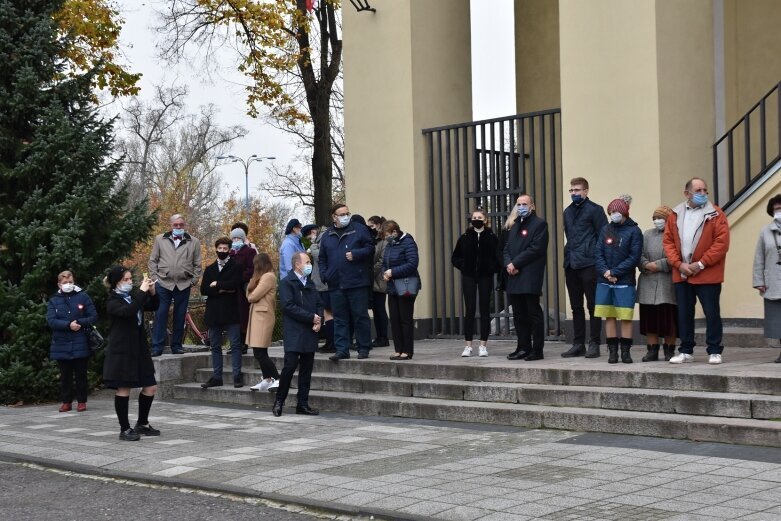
{"points": [[653, 353], [575, 350], [612, 350], [276, 410], [593, 350], [626, 345], [669, 351]]}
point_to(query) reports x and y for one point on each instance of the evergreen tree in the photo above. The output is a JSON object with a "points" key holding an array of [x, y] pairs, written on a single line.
{"points": [[60, 203]]}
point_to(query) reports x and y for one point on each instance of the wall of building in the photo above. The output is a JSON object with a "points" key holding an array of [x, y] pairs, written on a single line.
{"points": [[537, 65]]}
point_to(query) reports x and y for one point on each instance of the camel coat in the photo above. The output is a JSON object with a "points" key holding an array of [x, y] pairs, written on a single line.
{"points": [[262, 301]]}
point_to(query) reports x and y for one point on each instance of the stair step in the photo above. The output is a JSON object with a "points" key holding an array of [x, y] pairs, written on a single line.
{"points": [[734, 405], [677, 426]]}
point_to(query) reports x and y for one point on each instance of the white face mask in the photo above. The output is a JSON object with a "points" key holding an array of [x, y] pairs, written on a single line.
{"points": [[777, 216], [343, 220], [125, 288], [67, 287], [659, 223], [616, 217]]}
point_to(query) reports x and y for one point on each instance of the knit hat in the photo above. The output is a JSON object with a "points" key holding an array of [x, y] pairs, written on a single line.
{"points": [[114, 275], [238, 233], [662, 212], [292, 223], [618, 205], [306, 230]]}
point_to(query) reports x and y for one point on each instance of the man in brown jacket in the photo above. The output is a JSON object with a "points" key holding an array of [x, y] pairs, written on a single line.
{"points": [[696, 240], [175, 264]]}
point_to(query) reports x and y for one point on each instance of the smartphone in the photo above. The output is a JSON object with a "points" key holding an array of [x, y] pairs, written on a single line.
{"points": [[146, 275]]}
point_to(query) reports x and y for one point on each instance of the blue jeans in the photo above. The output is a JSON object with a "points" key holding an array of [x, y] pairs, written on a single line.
{"points": [[215, 341], [351, 306], [708, 295], [180, 297]]}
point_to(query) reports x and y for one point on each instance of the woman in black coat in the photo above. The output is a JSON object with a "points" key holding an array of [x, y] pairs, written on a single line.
{"points": [[128, 362], [302, 316], [476, 255], [525, 256]]}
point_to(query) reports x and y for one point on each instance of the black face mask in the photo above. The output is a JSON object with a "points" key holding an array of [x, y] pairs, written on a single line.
{"points": [[373, 232], [477, 223], [222, 255]]}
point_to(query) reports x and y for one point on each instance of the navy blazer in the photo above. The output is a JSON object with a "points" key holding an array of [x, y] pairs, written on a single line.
{"points": [[527, 249], [299, 305]]}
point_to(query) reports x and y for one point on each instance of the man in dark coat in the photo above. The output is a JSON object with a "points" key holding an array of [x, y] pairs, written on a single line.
{"points": [[345, 265], [583, 220], [221, 281], [525, 256], [302, 316]]}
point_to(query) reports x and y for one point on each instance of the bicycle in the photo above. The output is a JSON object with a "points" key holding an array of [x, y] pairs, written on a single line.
{"points": [[190, 328]]}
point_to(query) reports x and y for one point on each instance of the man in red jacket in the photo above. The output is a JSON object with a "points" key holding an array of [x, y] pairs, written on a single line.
{"points": [[696, 240]]}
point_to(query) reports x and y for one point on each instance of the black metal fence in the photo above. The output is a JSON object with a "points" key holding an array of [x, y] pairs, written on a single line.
{"points": [[487, 164], [748, 149]]}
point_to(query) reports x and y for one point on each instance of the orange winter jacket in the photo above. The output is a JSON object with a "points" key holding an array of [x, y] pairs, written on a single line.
{"points": [[711, 242]]}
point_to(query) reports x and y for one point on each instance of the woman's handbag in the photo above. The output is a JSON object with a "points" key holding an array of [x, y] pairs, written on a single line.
{"points": [[407, 287], [94, 340]]}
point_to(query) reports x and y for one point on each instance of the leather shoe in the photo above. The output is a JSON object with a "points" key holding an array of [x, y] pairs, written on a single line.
{"points": [[593, 350], [363, 354], [305, 409], [533, 356], [518, 355], [339, 356], [211, 383], [575, 350], [276, 410]]}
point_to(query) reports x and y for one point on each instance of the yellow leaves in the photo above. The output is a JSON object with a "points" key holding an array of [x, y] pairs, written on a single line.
{"points": [[91, 30]]}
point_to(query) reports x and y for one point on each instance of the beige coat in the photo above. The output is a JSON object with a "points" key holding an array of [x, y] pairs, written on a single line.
{"points": [[262, 301]]}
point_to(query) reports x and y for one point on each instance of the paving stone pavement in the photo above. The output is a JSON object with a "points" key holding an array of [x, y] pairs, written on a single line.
{"points": [[409, 469]]}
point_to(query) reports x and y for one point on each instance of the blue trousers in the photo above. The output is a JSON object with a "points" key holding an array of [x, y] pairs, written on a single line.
{"points": [[708, 295], [351, 306], [215, 340], [180, 298]]}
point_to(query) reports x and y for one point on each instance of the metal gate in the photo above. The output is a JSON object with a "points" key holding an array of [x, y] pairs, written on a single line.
{"points": [[487, 164]]}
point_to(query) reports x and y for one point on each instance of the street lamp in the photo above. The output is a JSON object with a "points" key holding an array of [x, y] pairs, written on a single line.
{"points": [[246, 163]]}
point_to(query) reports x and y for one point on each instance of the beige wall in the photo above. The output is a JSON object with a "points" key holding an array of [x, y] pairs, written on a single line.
{"points": [[407, 67], [537, 65]]}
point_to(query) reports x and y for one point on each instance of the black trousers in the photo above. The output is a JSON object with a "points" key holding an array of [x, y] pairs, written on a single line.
{"points": [[583, 283], [402, 324], [267, 366], [477, 289], [68, 370], [529, 321], [304, 362], [380, 315]]}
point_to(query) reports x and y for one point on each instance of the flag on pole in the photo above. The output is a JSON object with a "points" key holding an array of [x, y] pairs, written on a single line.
{"points": [[311, 5]]}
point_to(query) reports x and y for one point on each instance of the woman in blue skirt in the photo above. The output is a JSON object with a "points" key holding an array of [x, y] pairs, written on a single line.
{"points": [[618, 252]]}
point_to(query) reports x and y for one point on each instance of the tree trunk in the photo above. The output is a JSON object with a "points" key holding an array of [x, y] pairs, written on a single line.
{"points": [[322, 167]]}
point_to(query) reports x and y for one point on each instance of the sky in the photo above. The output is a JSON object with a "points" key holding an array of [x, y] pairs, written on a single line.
{"points": [[493, 81]]}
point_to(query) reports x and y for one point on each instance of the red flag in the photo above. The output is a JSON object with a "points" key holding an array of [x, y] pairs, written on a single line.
{"points": [[311, 5]]}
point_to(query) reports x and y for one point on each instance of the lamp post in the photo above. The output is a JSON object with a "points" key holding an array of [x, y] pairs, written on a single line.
{"points": [[246, 163]]}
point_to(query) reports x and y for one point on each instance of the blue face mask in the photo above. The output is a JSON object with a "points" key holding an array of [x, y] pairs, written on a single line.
{"points": [[237, 244], [576, 198], [523, 211], [307, 269], [178, 232], [699, 199]]}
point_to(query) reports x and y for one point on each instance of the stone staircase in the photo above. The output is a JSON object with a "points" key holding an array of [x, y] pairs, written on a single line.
{"points": [[737, 402]]}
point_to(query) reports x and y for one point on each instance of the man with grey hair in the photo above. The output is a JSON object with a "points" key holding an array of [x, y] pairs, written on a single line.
{"points": [[175, 263]]}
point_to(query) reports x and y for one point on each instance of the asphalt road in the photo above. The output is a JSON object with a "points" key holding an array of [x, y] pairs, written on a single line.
{"points": [[28, 494]]}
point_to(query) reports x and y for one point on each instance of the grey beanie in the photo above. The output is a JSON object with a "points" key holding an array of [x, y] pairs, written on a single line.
{"points": [[238, 233]]}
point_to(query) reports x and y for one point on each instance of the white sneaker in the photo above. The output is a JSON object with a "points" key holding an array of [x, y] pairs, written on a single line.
{"points": [[483, 351], [262, 385], [682, 358], [714, 359], [467, 351], [273, 386]]}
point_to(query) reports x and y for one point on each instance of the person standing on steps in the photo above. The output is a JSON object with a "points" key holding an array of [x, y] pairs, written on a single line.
{"points": [[583, 220], [400, 271], [128, 363], [618, 252], [262, 296], [696, 240], [525, 256], [379, 286], [655, 292], [242, 254], [476, 256], [302, 317], [175, 265], [70, 313], [767, 270], [221, 281], [290, 245], [346, 253], [327, 330]]}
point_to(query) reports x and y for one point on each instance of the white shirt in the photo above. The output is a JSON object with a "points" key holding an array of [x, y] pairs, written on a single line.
{"points": [[692, 218]]}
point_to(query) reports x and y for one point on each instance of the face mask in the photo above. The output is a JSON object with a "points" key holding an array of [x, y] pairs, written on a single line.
{"points": [[222, 255], [478, 223], [699, 199], [777, 217], [616, 217], [523, 211], [659, 223], [237, 244], [392, 237], [343, 220], [67, 287], [125, 288], [372, 231], [576, 198], [178, 232], [307, 269]]}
